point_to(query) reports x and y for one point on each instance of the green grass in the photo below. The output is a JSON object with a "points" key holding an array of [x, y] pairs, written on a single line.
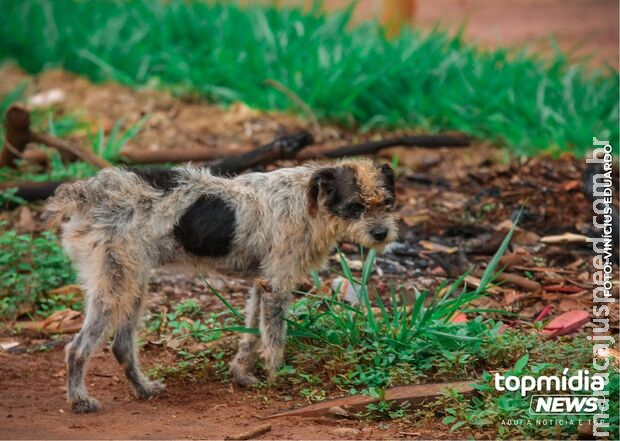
{"points": [[354, 76], [338, 349], [30, 267], [366, 348], [46, 120], [542, 357]]}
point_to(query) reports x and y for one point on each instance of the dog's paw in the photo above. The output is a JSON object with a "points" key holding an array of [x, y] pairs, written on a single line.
{"points": [[241, 377], [246, 380], [150, 389], [85, 405]]}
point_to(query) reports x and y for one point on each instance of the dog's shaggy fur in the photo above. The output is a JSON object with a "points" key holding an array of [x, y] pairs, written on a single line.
{"points": [[273, 227]]}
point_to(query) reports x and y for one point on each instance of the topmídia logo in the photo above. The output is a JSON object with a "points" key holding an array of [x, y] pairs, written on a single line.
{"points": [[560, 401]]}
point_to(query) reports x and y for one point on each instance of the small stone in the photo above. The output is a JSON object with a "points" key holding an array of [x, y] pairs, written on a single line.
{"points": [[347, 432]]}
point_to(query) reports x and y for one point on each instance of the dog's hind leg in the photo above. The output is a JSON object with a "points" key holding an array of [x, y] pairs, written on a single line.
{"points": [[98, 319], [108, 275], [125, 351], [249, 344]]}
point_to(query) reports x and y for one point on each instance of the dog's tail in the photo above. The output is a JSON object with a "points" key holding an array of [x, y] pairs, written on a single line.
{"points": [[68, 200]]}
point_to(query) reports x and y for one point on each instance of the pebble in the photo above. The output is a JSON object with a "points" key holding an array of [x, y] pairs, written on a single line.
{"points": [[345, 432]]}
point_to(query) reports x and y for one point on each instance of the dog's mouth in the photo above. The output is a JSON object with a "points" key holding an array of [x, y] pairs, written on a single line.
{"points": [[377, 245]]}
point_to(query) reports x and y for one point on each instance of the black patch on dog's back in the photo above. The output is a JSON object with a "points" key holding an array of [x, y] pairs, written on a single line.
{"points": [[159, 178], [207, 228]]}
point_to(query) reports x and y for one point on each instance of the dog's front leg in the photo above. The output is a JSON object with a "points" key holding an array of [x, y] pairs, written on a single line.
{"points": [[273, 328], [242, 366]]}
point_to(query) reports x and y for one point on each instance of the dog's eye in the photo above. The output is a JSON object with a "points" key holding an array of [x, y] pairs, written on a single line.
{"points": [[354, 210], [389, 203]]}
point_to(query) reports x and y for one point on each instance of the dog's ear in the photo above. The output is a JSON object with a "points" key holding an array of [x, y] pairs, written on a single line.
{"points": [[322, 182], [388, 179]]}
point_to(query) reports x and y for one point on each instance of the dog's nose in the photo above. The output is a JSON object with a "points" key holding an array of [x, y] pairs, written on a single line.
{"points": [[379, 233]]}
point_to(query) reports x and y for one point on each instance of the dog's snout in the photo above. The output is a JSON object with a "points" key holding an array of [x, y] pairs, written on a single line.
{"points": [[379, 233]]}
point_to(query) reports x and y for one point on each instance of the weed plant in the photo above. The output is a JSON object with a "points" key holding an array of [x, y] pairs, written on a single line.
{"points": [[30, 267]]}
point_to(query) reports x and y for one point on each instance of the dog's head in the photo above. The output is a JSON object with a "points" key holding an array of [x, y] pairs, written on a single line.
{"points": [[358, 197]]}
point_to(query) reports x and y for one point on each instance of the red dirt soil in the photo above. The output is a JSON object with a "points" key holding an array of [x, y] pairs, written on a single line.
{"points": [[34, 407]]}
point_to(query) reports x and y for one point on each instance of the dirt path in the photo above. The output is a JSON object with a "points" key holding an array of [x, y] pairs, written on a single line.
{"points": [[33, 406]]}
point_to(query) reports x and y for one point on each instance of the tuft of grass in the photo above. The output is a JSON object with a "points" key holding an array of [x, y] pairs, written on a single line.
{"points": [[491, 410], [366, 348], [31, 266], [350, 75], [109, 148], [9, 198]]}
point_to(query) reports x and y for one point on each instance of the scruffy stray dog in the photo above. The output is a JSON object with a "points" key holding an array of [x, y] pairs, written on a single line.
{"points": [[273, 227]]}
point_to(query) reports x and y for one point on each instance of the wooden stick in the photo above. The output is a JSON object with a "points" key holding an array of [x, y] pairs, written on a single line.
{"points": [[17, 123], [198, 154], [283, 147], [32, 191], [18, 135], [366, 148], [84, 154], [520, 281], [262, 154]]}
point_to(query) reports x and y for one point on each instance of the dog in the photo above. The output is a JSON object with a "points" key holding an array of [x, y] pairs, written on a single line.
{"points": [[272, 227]]}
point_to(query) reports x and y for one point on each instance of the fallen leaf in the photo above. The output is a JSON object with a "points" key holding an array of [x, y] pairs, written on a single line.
{"points": [[566, 323], [475, 282], [520, 281], [67, 290], [8, 344], [437, 247], [525, 238], [570, 305], [66, 321], [571, 185], [459, 318], [511, 296], [544, 313], [564, 238]]}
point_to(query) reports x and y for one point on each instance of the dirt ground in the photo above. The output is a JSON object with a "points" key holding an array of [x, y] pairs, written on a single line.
{"points": [[34, 407]]}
